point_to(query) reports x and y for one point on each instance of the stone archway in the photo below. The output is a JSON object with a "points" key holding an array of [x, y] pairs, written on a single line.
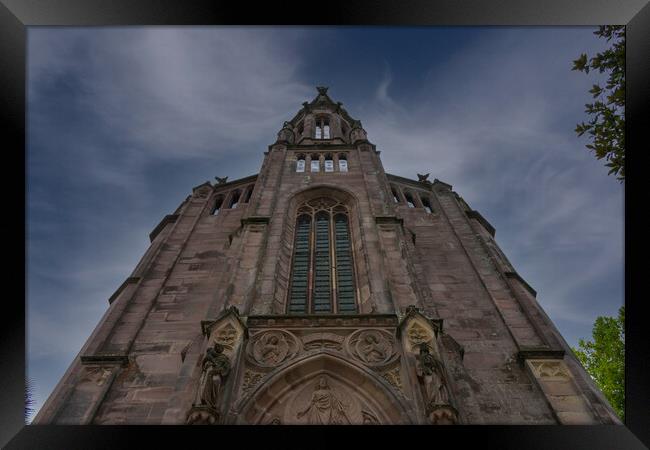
{"points": [[324, 389]]}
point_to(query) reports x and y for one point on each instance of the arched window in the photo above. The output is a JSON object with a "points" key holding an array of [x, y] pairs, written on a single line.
{"points": [[249, 193], [409, 200], [426, 203], [343, 163], [322, 267], [315, 163], [217, 205], [234, 200], [395, 195], [322, 128], [329, 163], [300, 163]]}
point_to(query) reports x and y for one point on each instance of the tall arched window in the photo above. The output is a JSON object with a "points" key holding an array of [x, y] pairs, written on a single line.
{"points": [[409, 200], [426, 203], [315, 163], [234, 200], [249, 193], [322, 128], [329, 163], [395, 195], [343, 163], [322, 268], [217, 205], [300, 163]]}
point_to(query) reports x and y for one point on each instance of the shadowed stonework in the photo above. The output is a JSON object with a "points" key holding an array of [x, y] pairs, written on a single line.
{"points": [[325, 291]]}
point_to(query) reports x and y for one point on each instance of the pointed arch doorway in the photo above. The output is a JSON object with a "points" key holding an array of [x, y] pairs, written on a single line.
{"points": [[324, 389]]}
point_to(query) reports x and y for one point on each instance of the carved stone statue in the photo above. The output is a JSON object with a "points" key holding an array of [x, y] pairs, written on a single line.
{"points": [[221, 180], [324, 407], [423, 178], [216, 367], [430, 372]]}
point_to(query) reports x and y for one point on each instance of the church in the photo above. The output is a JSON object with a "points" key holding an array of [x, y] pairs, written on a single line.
{"points": [[324, 290]]}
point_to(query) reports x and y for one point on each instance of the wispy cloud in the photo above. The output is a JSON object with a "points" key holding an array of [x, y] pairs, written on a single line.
{"points": [[124, 121]]}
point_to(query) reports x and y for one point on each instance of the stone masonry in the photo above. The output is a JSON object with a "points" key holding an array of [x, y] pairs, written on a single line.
{"points": [[444, 330]]}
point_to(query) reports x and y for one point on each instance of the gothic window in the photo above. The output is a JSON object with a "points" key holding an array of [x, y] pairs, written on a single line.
{"points": [[329, 163], [322, 128], [315, 163], [249, 192], [395, 195], [322, 267], [426, 204], [300, 164], [234, 200], [217, 205], [343, 163], [409, 200]]}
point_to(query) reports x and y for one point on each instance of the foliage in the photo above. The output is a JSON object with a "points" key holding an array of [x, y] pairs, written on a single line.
{"points": [[607, 123], [604, 358]]}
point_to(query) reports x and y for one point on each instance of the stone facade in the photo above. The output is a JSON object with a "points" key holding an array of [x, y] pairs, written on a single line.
{"points": [[444, 330]]}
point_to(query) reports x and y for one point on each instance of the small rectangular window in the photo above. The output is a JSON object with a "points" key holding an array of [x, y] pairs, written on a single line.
{"points": [[326, 131], [315, 165], [343, 165], [300, 167], [329, 165], [319, 132]]}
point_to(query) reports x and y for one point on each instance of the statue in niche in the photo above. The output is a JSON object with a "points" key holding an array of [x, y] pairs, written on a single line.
{"points": [[430, 372], [216, 367], [324, 407]]}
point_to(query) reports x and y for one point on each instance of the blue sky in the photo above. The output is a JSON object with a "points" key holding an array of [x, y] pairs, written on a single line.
{"points": [[123, 122]]}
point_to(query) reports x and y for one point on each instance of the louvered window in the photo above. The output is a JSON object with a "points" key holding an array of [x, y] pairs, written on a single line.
{"points": [[322, 268]]}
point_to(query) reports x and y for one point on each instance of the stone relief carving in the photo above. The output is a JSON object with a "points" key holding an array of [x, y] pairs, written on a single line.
{"points": [[325, 407], [417, 335], [251, 379], [372, 347], [323, 340], [394, 378], [550, 369], [369, 418], [227, 336], [271, 348]]}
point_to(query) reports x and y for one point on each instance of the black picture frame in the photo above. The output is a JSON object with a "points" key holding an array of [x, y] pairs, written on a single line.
{"points": [[16, 15]]}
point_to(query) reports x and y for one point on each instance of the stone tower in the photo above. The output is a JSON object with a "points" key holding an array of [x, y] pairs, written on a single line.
{"points": [[325, 291]]}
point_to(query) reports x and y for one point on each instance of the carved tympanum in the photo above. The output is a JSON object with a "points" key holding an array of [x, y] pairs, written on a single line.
{"points": [[325, 407]]}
